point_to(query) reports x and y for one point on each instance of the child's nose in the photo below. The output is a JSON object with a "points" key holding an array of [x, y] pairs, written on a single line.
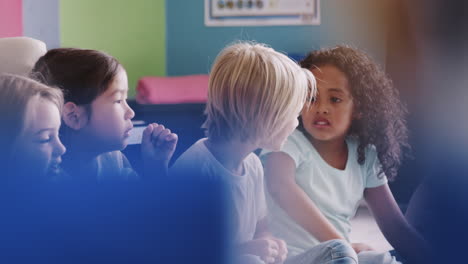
{"points": [[129, 114], [322, 108], [59, 149]]}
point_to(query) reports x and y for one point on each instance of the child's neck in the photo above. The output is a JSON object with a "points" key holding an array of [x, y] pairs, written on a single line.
{"points": [[334, 152], [230, 153]]}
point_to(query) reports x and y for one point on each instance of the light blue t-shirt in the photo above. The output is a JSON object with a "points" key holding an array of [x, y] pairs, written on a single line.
{"points": [[245, 193], [335, 192]]}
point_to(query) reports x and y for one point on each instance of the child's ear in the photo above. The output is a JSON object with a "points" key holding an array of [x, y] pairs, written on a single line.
{"points": [[74, 116]]}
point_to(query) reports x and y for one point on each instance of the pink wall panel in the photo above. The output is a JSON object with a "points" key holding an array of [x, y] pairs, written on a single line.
{"points": [[11, 18]]}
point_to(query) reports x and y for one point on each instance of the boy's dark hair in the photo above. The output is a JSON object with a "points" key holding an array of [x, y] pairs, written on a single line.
{"points": [[81, 74], [382, 121]]}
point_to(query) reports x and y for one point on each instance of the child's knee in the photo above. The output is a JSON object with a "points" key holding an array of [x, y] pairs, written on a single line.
{"points": [[340, 249]]}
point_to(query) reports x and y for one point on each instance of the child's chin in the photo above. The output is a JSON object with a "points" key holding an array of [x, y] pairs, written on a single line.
{"points": [[117, 146]]}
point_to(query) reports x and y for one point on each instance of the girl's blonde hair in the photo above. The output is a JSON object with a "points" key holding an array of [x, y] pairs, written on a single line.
{"points": [[253, 91], [15, 93]]}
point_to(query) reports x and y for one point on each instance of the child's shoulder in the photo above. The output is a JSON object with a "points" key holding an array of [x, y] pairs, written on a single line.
{"points": [[194, 159], [195, 153], [252, 161], [371, 167], [297, 137], [296, 143], [113, 158], [114, 165]]}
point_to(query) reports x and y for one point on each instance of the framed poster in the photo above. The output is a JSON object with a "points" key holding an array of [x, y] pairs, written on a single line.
{"points": [[219, 13]]}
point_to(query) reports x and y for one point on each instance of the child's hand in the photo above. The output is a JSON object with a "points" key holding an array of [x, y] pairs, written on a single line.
{"points": [[266, 248], [282, 250], [358, 247], [157, 147]]}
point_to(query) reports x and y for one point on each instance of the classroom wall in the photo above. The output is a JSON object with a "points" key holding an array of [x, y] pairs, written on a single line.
{"points": [[192, 47], [168, 37], [131, 31], [41, 21], [32, 18]]}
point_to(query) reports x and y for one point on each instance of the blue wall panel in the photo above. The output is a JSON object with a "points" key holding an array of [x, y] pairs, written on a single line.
{"points": [[192, 47]]}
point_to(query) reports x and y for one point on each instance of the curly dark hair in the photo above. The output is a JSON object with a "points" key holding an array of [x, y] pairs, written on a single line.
{"points": [[382, 121]]}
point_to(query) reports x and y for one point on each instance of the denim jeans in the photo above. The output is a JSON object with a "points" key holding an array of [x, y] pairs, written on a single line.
{"points": [[330, 252], [373, 257]]}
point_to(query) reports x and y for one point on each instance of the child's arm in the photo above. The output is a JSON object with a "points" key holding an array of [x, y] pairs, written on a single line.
{"points": [[394, 226], [157, 147], [280, 171], [269, 248]]}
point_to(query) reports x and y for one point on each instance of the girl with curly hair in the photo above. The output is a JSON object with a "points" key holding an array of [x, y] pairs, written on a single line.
{"points": [[350, 140]]}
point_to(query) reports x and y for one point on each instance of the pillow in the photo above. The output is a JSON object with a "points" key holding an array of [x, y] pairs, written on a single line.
{"points": [[173, 90], [19, 54]]}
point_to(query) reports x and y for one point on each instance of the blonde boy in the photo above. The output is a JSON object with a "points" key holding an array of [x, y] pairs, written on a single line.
{"points": [[255, 96]]}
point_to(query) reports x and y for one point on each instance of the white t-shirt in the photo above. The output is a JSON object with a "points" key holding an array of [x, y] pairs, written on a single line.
{"points": [[114, 166], [107, 167], [335, 192], [245, 192]]}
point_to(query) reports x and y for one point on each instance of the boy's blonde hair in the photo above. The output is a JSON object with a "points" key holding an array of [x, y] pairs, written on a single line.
{"points": [[15, 94], [253, 91]]}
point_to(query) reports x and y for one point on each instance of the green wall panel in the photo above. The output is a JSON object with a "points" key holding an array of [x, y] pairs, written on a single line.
{"points": [[132, 31]]}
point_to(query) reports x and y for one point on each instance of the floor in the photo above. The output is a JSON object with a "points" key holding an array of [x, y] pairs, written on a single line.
{"points": [[366, 230]]}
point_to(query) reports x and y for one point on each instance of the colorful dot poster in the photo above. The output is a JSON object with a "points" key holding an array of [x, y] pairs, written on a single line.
{"points": [[219, 13]]}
